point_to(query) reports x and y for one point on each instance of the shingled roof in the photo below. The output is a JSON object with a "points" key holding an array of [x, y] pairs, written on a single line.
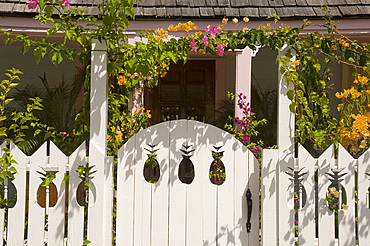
{"points": [[206, 9]]}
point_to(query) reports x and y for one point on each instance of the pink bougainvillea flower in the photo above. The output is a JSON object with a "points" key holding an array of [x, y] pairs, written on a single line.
{"points": [[66, 3], [32, 4], [220, 49], [193, 46], [213, 30], [205, 41]]}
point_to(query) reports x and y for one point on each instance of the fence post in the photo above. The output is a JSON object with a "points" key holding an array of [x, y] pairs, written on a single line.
{"points": [[101, 186], [285, 144]]}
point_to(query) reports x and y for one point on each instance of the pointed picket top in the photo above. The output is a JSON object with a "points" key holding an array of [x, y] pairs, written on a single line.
{"points": [[17, 213], [326, 163], [306, 211], [75, 211]]}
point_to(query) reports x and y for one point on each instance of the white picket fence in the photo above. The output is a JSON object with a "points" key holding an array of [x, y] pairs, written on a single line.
{"points": [[173, 213]]}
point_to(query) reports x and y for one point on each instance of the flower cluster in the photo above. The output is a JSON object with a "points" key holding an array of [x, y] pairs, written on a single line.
{"points": [[32, 4], [187, 27], [356, 139]]}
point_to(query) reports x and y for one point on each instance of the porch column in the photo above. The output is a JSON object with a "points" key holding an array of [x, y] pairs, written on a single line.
{"points": [[243, 78]]}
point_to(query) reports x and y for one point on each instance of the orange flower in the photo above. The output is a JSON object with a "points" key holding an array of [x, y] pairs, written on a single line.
{"points": [[316, 45], [121, 80], [198, 33], [297, 63], [202, 51]]}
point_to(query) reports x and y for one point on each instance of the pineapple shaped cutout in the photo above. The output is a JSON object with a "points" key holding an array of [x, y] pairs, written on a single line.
{"points": [[186, 168], [151, 170], [47, 186], [217, 172]]}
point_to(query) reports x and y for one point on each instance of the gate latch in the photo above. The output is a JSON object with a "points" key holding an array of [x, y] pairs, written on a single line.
{"points": [[249, 206]]}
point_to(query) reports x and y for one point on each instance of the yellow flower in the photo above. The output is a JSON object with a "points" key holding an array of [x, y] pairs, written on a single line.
{"points": [[121, 80], [190, 23], [202, 51], [368, 92], [195, 27], [141, 109], [344, 206], [224, 21], [356, 94], [246, 29], [220, 27], [136, 112], [334, 47], [235, 20], [246, 19], [171, 28], [198, 33], [316, 45], [363, 80], [268, 25], [297, 62], [148, 114], [339, 95], [148, 30], [163, 74]]}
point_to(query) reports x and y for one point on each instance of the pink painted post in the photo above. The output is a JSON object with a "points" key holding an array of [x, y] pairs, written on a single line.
{"points": [[243, 79]]}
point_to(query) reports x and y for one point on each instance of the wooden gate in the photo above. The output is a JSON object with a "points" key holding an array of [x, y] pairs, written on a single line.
{"points": [[196, 212]]}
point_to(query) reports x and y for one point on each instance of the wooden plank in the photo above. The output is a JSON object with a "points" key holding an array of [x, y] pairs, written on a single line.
{"points": [[177, 197], [285, 141], [143, 192], [16, 215], [194, 190], [210, 207], [326, 218], [96, 220], [346, 218], [159, 223], [225, 192], [363, 198], [268, 197], [2, 210], [126, 168], [56, 217], [242, 162], [253, 185], [75, 211], [36, 214], [306, 214]]}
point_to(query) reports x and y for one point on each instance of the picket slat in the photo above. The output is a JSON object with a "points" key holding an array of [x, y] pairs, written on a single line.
{"points": [[194, 193], [56, 222], [346, 217], [306, 214], [75, 211], [36, 214], [126, 168], [269, 197], [326, 218], [16, 214], [225, 192], [177, 197], [159, 223], [363, 198]]}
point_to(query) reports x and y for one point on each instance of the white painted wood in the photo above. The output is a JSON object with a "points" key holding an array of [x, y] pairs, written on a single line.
{"points": [[241, 181], [268, 197], [225, 192], [346, 218], [326, 218], [194, 192], [75, 211], [36, 214], [363, 198], [253, 185], [177, 198], [57, 213], [143, 192], [126, 169], [16, 215], [99, 96], [306, 214], [243, 76], [210, 206], [97, 222], [285, 143], [159, 223], [2, 210]]}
